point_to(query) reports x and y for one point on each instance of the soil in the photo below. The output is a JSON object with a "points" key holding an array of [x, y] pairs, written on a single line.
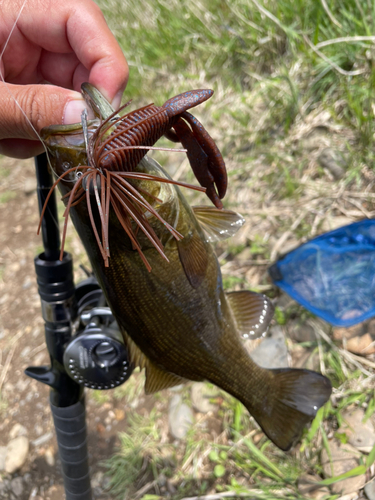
{"points": [[23, 400]]}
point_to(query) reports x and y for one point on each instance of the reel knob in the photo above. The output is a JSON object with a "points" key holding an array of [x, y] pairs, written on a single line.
{"points": [[97, 360]]}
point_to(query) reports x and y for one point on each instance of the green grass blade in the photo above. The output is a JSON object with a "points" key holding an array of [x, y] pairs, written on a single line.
{"points": [[260, 456], [357, 471]]}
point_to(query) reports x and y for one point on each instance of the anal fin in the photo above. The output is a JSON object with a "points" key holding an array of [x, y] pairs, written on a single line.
{"points": [[158, 379]]}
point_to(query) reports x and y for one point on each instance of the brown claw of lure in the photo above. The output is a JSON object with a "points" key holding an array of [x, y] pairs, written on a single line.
{"points": [[145, 126]]}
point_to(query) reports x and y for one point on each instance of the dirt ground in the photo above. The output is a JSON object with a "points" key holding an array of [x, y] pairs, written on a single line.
{"points": [[23, 400]]}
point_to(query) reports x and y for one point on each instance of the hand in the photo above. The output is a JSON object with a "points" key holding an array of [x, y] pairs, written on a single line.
{"points": [[54, 48]]}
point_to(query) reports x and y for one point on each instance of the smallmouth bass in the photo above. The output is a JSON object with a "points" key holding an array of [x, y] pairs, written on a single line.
{"points": [[176, 320]]}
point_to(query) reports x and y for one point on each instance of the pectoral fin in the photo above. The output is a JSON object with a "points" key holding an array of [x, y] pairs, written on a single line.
{"points": [[252, 312], [218, 224], [193, 256]]}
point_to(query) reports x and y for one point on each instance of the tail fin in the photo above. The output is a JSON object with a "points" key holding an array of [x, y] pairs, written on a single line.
{"points": [[290, 402]]}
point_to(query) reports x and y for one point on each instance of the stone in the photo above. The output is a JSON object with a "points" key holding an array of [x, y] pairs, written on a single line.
{"points": [[301, 332], [97, 479], [272, 352], [3, 454], [17, 451], [201, 394], [333, 161], [50, 456], [17, 430], [30, 185], [3, 488], [16, 486], [362, 345], [340, 333], [180, 417], [308, 487], [370, 490], [360, 435], [344, 458]]}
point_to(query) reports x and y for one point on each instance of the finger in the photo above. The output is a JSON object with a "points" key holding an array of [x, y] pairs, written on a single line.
{"points": [[20, 148], [26, 109], [80, 28], [64, 70]]}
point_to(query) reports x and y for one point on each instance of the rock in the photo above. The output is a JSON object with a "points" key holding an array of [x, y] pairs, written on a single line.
{"points": [[50, 456], [3, 454], [177, 388], [300, 332], [201, 394], [370, 490], [3, 488], [363, 345], [333, 161], [16, 485], [272, 352], [97, 479], [17, 451], [30, 185], [180, 417], [308, 487], [360, 435], [344, 458], [17, 430], [340, 333]]}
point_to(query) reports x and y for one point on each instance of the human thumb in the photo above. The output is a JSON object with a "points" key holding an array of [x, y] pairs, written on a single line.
{"points": [[26, 109]]}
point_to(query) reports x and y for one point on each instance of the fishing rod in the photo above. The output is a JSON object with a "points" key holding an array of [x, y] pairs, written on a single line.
{"points": [[83, 341]]}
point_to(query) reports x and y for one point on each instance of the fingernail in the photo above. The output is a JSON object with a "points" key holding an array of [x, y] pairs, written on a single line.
{"points": [[73, 110], [116, 102]]}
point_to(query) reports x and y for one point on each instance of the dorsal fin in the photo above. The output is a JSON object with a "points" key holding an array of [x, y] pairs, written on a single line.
{"points": [[218, 224], [194, 259], [252, 312]]}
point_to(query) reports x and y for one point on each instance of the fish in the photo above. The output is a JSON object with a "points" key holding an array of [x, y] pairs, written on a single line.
{"points": [[177, 321]]}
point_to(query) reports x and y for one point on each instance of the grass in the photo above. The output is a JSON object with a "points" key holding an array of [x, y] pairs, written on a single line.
{"points": [[281, 71], [241, 460], [6, 196]]}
